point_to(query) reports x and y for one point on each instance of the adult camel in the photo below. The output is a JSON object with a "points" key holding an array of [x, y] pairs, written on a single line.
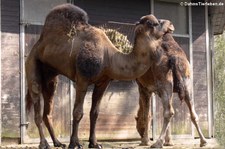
{"points": [[68, 45], [170, 73]]}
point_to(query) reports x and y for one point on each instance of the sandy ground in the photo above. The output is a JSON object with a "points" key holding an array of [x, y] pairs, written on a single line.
{"points": [[178, 144]]}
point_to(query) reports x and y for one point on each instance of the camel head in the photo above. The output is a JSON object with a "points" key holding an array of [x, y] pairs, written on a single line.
{"points": [[151, 26]]}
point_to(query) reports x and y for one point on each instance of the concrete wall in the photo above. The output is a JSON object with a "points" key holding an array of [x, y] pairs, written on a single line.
{"points": [[10, 68]]}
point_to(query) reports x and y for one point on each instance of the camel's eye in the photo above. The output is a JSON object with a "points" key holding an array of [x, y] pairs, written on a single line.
{"points": [[152, 24]]}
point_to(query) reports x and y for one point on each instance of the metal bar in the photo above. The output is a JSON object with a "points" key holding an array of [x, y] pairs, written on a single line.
{"points": [[209, 75], [191, 59], [154, 121], [0, 73], [121, 23], [213, 73], [22, 75], [71, 102], [71, 95], [181, 35], [152, 6]]}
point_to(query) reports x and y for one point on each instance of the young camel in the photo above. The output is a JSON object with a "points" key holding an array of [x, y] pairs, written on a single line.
{"points": [[68, 45], [171, 73]]}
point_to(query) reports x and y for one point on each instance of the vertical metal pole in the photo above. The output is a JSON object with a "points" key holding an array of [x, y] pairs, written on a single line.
{"points": [[72, 91], [191, 60], [0, 73], [209, 75], [152, 6], [154, 119], [22, 75], [213, 73], [71, 102]]}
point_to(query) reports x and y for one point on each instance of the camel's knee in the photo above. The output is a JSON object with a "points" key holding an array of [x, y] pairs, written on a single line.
{"points": [[169, 113], [77, 115], [35, 87], [47, 117], [94, 114], [35, 91], [194, 117]]}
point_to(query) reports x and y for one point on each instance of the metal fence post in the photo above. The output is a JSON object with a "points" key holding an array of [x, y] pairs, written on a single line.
{"points": [[22, 75]]}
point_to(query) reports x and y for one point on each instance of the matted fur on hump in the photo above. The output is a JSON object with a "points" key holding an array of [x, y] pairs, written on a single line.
{"points": [[62, 18], [89, 60]]}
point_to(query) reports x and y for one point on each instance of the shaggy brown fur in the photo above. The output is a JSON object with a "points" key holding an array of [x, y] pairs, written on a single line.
{"points": [[171, 73], [83, 53]]}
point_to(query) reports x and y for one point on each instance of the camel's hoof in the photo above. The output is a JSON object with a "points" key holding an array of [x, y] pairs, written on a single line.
{"points": [[99, 146], [59, 144], [44, 145], [76, 146], [170, 143], [145, 143], [203, 143], [158, 144]]}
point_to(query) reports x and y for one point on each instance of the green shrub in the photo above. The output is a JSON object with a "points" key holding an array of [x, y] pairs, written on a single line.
{"points": [[220, 88]]}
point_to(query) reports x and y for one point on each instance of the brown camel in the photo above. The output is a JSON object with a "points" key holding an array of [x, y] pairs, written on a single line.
{"points": [[68, 45], [170, 73]]}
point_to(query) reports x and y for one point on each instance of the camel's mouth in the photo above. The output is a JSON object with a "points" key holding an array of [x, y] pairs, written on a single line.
{"points": [[166, 26]]}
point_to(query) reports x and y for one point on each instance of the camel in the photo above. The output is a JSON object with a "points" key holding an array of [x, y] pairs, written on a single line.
{"points": [[69, 46], [170, 73]]}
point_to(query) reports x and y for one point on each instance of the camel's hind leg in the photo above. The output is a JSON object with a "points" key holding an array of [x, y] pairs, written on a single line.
{"points": [[168, 138], [194, 117], [34, 79], [166, 96], [143, 119], [49, 86]]}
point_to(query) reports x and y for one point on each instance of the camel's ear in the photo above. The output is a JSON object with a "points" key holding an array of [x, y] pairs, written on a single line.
{"points": [[149, 20]]}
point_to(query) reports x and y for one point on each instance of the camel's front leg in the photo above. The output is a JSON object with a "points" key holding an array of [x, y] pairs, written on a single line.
{"points": [[98, 92], [166, 97], [143, 115], [81, 89]]}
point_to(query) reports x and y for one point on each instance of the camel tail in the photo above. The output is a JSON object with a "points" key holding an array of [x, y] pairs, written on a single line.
{"points": [[28, 102], [179, 84]]}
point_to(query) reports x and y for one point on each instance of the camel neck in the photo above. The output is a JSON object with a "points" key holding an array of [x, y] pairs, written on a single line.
{"points": [[132, 65]]}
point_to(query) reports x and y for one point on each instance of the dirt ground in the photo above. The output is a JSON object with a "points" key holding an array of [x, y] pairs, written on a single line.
{"points": [[178, 144]]}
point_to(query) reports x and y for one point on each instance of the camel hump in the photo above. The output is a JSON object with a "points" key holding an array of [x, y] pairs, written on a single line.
{"points": [[89, 60], [69, 12], [62, 18]]}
